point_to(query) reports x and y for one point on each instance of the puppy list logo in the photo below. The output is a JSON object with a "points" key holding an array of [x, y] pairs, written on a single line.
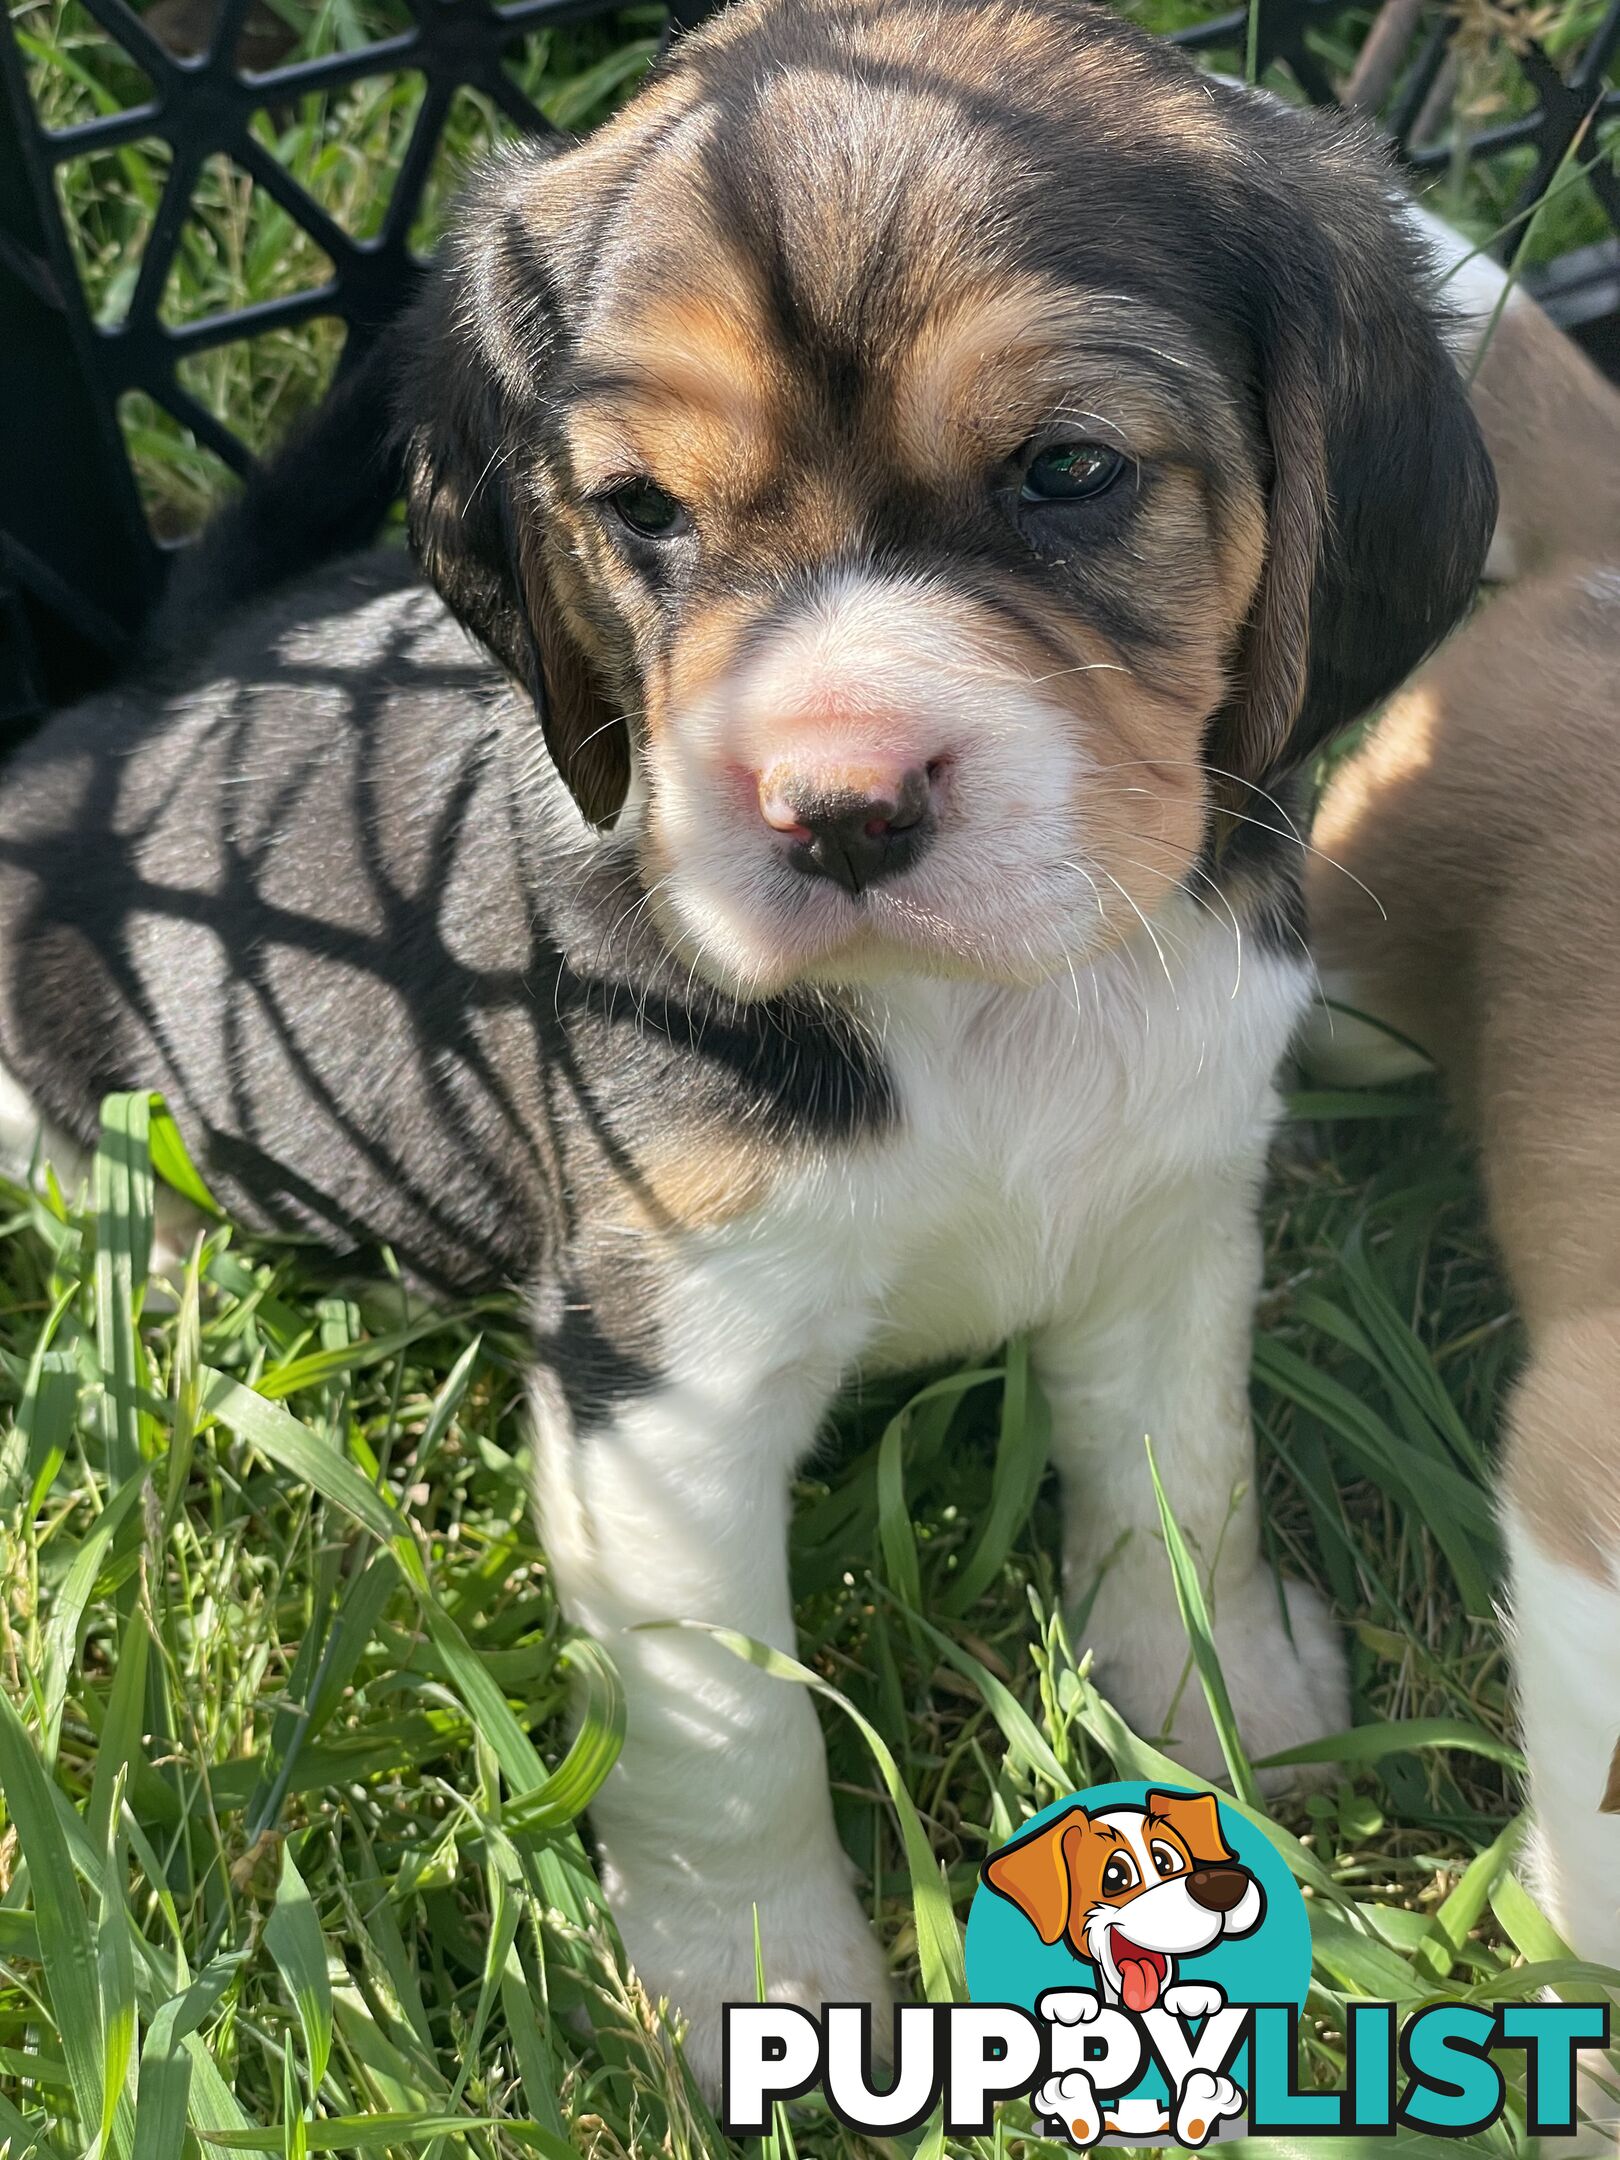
{"points": [[1140, 1925], [1138, 1959]]}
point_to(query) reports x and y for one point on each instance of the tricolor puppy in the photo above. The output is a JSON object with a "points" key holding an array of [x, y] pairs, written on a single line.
{"points": [[1132, 1889], [929, 474], [1481, 821]]}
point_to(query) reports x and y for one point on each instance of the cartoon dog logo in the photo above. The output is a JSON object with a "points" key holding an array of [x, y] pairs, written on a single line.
{"points": [[1131, 1890]]}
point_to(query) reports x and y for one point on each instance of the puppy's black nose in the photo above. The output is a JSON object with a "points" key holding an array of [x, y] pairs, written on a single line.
{"points": [[854, 835], [1217, 1889]]}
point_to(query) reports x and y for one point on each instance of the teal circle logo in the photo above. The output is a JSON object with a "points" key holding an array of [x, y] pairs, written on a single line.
{"points": [[1138, 1922]]}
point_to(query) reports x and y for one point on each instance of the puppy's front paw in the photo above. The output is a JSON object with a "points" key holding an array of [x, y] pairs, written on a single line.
{"points": [[1203, 2104], [1068, 2006], [1070, 2102], [1283, 1692], [1193, 1999], [692, 1944]]}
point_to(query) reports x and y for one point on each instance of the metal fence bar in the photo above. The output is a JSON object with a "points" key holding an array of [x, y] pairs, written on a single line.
{"points": [[78, 567]]}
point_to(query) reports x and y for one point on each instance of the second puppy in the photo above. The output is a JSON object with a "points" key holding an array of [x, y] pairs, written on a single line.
{"points": [[1481, 823]]}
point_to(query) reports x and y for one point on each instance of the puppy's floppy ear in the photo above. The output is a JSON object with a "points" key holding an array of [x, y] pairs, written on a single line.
{"points": [[1033, 1874], [1196, 1820], [478, 345], [1382, 498]]}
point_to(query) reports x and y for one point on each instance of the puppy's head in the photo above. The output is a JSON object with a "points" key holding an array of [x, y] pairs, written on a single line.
{"points": [[922, 458], [1132, 1889]]}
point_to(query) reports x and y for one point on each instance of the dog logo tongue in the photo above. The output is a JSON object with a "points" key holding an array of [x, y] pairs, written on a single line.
{"points": [[1141, 1973]]}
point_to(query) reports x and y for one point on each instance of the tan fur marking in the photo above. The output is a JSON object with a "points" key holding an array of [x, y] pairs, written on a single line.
{"points": [[1483, 818], [1553, 426], [702, 1185], [705, 349], [958, 391], [706, 649], [986, 369], [1243, 544], [1563, 1460], [702, 457], [697, 405]]}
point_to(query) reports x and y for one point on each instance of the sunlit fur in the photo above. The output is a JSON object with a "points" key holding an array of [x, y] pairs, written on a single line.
{"points": [[1480, 921], [1056, 836], [467, 924]]}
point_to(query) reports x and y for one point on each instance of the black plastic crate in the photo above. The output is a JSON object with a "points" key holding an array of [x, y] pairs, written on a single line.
{"points": [[79, 563]]}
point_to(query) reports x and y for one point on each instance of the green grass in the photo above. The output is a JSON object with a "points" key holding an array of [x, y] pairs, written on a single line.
{"points": [[290, 1827], [292, 1808]]}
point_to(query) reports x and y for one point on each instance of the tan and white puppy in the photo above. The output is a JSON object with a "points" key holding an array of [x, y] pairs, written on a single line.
{"points": [[1482, 821]]}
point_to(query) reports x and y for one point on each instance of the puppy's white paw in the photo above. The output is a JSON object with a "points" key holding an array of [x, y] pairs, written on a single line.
{"points": [[691, 1942], [1070, 2102], [1284, 1692], [1193, 1999], [1203, 2104], [1068, 2006]]}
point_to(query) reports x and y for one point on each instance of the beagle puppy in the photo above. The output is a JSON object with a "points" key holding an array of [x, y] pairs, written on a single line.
{"points": [[920, 484], [1479, 821], [1481, 920]]}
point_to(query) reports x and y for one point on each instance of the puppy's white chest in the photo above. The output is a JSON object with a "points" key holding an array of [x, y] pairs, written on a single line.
{"points": [[1031, 1126], [981, 1204], [1036, 1123]]}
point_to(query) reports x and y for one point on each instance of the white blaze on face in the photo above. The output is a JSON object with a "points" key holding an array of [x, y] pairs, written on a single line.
{"points": [[871, 679], [1134, 1944]]}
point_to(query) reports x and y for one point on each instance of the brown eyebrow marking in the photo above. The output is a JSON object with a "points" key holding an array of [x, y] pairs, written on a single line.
{"points": [[1107, 1830], [707, 350], [1008, 354], [686, 385]]}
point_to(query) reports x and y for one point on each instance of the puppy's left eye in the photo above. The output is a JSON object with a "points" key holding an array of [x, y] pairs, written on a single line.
{"points": [[1167, 1860], [648, 511], [1070, 472]]}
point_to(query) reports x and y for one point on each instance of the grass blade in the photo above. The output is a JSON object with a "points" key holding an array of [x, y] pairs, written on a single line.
{"points": [[124, 1217], [62, 1634], [115, 1959], [939, 1941], [67, 1945], [1195, 1619], [293, 1937], [1021, 1453]]}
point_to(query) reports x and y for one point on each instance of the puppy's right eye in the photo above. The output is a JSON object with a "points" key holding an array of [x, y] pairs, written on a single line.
{"points": [[1067, 472], [1118, 1876], [649, 513]]}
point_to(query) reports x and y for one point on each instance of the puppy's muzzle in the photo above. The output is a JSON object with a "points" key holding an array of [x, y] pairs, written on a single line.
{"points": [[1217, 1889], [853, 836]]}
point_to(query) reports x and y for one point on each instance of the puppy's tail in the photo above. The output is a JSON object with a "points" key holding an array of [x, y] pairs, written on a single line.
{"points": [[323, 493]]}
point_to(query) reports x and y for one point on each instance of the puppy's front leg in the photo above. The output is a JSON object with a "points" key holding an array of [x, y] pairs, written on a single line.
{"points": [[673, 1505], [1160, 1349], [1561, 1520]]}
